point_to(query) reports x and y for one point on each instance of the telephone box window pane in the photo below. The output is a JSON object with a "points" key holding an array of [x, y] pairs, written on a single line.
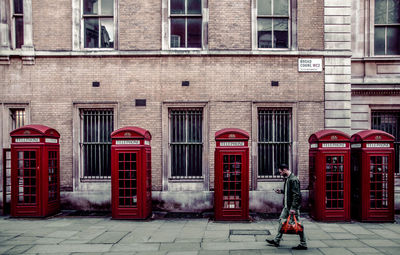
{"points": [[194, 33], [194, 6], [127, 180], [334, 182], [53, 171], [91, 33], [378, 182], [177, 6], [107, 7], [393, 11], [177, 33], [232, 181], [393, 40], [27, 177], [90, 6], [380, 11], [107, 33], [264, 7], [281, 7], [280, 33]]}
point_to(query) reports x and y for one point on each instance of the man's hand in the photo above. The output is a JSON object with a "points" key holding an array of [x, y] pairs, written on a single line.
{"points": [[292, 211], [279, 191]]}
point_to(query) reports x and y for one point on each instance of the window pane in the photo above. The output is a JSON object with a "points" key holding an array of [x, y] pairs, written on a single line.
{"points": [[107, 7], [393, 40], [194, 33], [19, 32], [18, 7], [380, 11], [379, 41], [194, 6], [281, 7], [177, 6], [91, 33], [107, 33], [90, 7], [264, 27], [264, 7], [177, 33], [394, 11], [280, 33]]}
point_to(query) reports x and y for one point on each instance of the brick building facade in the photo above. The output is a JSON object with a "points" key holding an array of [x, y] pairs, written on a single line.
{"points": [[55, 53]]}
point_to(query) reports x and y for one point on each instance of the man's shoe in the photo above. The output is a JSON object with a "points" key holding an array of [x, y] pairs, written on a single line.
{"points": [[272, 242], [300, 247]]}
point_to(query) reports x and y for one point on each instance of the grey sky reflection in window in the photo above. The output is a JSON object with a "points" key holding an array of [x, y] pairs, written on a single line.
{"points": [[387, 27]]}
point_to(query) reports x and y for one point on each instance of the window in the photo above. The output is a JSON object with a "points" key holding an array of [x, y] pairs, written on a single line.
{"points": [[274, 141], [186, 143], [18, 23], [273, 23], [185, 23], [98, 23], [17, 118], [95, 145], [389, 121], [387, 27]]}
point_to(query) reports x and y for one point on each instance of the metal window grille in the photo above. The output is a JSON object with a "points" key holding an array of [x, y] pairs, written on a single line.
{"points": [[17, 118], [334, 182], [96, 127], [186, 143], [389, 121], [379, 182], [274, 141]]}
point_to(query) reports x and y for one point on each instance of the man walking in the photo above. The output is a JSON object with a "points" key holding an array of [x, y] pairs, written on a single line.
{"points": [[292, 201]]}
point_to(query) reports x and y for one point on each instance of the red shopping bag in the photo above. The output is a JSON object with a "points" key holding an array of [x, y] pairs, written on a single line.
{"points": [[292, 226]]}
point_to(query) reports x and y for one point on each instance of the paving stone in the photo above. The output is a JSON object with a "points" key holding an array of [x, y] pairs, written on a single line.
{"points": [[49, 240], [109, 237], [356, 229], [135, 247], [380, 243], [389, 250], [214, 240], [387, 234], [309, 251], [245, 252], [216, 234], [188, 240], [316, 244], [56, 249], [343, 236], [233, 246], [335, 251], [151, 253], [4, 248], [213, 252], [61, 234], [180, 246], [344, 243], [242, 238], [19, 240], [183, 253], [364, 250]]}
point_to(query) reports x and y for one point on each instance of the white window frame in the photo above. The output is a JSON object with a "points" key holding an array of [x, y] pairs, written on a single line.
{"points": [[166, 27], [185, 183], [79, 181], [292, 33], [370, 14], [78, 27]]}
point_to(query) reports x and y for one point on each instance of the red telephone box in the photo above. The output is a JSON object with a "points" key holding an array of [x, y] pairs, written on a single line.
{"points": [[35, 171], [329, 183], [131, 173], [372, 156], [231, 193]]}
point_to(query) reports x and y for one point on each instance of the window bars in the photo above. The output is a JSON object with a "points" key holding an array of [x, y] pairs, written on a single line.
{"points": [[274, 141], [96, 127], [186, 143]]}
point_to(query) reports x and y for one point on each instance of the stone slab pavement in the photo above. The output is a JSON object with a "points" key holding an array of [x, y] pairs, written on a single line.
{"points": [[200, 236]]}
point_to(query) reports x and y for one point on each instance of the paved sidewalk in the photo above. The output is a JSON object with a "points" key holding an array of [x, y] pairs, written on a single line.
{"points": [[102, 235]]}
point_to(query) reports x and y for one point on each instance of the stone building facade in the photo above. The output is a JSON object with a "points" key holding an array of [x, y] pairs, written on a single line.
{"points": [[104, 64]]}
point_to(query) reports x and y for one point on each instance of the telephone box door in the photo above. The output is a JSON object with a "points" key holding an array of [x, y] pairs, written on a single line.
{"points": [[126, 183], [231, 175], [25, 179]]}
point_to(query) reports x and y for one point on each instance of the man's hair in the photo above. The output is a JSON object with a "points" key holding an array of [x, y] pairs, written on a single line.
{"points": [[283, 166]]}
